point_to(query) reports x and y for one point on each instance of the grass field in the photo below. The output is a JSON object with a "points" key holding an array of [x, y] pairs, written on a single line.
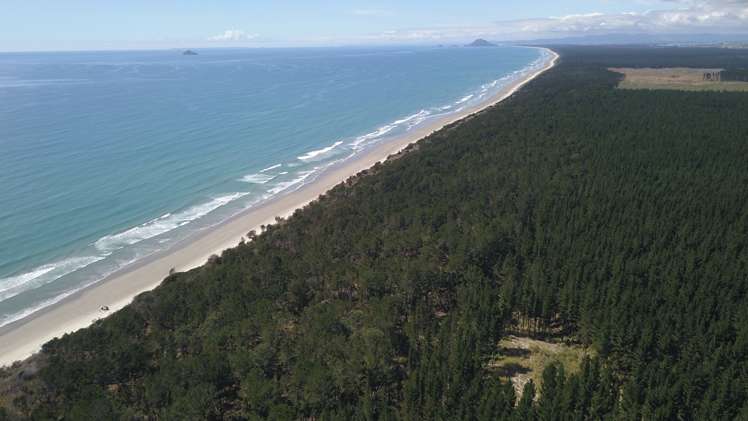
{"points": [[677, 78], [521, 359]]}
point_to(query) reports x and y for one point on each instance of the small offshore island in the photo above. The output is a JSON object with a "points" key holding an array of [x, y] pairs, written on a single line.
{"points": [[575, 251], [481, 43], [189, 53]]}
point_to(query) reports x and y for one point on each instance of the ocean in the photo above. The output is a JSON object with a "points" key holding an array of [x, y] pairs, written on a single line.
{"points": [[109, 157]]}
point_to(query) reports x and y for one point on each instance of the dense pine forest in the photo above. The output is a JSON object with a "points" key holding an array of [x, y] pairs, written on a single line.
{"points": [[616, 218]]}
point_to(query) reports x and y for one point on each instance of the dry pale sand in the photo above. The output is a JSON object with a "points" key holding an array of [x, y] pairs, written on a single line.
{"points": [[25, 337]]}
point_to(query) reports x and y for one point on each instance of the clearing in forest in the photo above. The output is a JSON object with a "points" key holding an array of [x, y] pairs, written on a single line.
{"points": [[521, 359], [678, 78]]}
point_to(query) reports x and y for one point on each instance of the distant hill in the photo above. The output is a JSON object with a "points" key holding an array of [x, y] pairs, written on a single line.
{"points": [[481, 43], [189, 53], [642, 39]]}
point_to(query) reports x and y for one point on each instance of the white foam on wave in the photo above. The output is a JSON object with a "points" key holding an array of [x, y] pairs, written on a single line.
{"points": [[10, 318], [163, 224], [458, 106], [409, 122], [6, 82], [272, 167], [14, 281], [281, 187], [465, 99], [490, 87], [315, 154], [14, 285], [416, 119], [256, 178], [373, 135], [411, 117]]}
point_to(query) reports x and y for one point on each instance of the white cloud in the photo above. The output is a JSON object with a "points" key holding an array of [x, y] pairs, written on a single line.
{"points": [[685, 16], [714, 16], [722, 18], [233, 35]]}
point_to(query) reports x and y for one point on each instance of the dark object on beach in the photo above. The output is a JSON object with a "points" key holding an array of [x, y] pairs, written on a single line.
{"points": [[189, 53], [480, 42], [104, 308]]}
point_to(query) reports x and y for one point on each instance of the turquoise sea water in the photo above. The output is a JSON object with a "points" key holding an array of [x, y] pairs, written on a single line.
{"points": [[107, 157]]}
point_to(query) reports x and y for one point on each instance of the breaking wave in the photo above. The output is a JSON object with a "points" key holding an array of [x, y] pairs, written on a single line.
{"points": [[163, 224], [319, 152], [14, 285]]}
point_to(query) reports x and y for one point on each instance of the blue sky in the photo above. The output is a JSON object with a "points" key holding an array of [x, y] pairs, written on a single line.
{"points": [[98, 24]]}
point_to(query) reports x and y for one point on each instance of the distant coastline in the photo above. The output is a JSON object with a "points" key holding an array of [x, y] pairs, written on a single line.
{"points": [[207, 155], [20, 339]]}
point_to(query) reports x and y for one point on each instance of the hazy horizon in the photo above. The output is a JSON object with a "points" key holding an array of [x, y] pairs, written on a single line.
{"points": [[77, 25]]}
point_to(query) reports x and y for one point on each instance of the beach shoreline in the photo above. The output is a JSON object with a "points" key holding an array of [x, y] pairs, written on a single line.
{"points": [[24, 337]]}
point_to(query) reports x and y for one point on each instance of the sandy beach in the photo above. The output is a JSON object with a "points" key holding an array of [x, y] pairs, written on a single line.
{"points": [[21, 339]]}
